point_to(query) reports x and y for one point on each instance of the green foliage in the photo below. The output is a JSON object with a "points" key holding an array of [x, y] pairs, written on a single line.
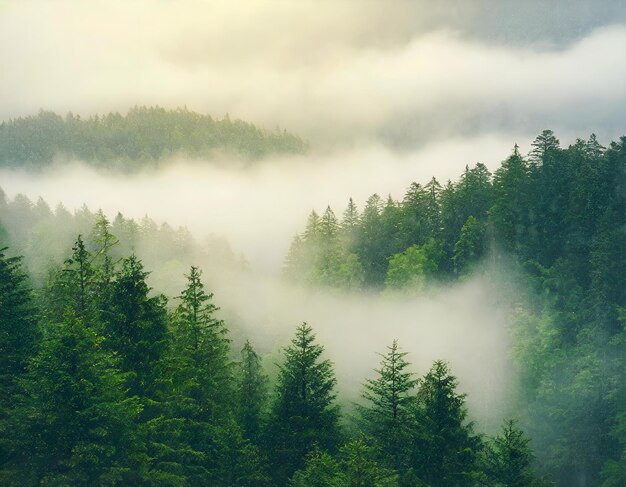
{"points": [[76, 421], [251, 393], [386, 420], [135, 327], [354, 467], [445, 453], [411, 269], [509, 458], [471, 245], [142, 137], [303, 414], [19, 340]]}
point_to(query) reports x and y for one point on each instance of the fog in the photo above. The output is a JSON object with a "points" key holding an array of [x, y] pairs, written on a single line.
{"points": [[386, 92], [258, 208], [467, 324], [404, 75]]}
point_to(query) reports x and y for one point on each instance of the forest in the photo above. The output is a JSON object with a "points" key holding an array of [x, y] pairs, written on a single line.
{"points": [[107, 382], [141, 138]]}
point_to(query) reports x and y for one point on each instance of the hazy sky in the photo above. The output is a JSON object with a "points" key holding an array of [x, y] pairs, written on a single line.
{"points": [[339, 72]]}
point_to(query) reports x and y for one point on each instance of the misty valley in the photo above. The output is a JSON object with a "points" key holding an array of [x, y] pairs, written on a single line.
{"points": [[220, 329]]}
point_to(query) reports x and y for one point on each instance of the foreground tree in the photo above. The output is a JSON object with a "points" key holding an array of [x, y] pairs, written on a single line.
{"points": [[303, 414], [387, 420], [135, 327], [19, 339], [196, 438], [509, 458], [77, 424], [251, 393], [445, 447]]}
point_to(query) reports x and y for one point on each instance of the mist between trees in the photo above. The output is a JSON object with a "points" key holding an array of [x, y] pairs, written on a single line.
{"points": [[515, 277]]}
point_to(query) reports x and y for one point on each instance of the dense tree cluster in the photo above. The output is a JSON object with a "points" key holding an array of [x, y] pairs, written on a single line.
{"points": [[141, 137], [43, 235], [105, 383], [561, 214]]}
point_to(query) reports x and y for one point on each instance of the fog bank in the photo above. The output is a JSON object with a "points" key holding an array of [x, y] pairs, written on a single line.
{"points": [[258, 207]]}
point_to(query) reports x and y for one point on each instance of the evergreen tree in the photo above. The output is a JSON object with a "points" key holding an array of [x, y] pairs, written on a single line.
{"points": [[320, 470], [509, 458], [251, 393], [74, 286], [359, 467], [76, 421], [198, 402], [135, 327], [104, 241], [543, 147], [471, 245], [445, 446], [19, 340], [350, 225], [303, 414], [387, 420]]}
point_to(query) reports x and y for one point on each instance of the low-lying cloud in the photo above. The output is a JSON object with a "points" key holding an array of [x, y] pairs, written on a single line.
{"points": [[336, 75], [257, 207]]}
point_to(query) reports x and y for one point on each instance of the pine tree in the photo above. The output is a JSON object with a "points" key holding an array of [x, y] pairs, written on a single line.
{"points": [[509, 458], [387, 420], [74, 286], [251, 393], [135, 327], [543, 147], [198, 421], [349, 225], [76, 421], [470, 247], [359, 467], [19, 340], [303, 414], [445, 446], [104, 241]]}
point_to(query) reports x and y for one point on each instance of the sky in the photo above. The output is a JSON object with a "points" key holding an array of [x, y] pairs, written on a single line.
{"points": [[405, 73]]}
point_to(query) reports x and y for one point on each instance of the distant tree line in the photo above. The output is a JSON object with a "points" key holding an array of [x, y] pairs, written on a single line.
{"points": [[561, 214], [140, 138], [105, 383]]}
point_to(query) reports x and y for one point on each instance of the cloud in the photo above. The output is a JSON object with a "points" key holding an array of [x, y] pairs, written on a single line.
{"points": [[258, 208], [335, 73]]}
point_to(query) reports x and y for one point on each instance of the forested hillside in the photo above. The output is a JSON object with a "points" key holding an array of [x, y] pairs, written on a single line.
{"points": [[561, 212], [106, 382], [141, 137]]}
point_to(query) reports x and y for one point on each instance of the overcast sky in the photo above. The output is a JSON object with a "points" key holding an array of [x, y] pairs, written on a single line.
{"points": [[335, 72]]}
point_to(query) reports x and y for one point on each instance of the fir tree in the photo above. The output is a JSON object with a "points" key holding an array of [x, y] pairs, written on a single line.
{"points": [[509, 458], [19, 340], [77, 422], [303, 414], [135, 327], [387, 419], [445, 445], [251, 393]]}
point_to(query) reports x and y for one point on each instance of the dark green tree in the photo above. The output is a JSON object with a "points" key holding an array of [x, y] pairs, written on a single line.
{"points": [[135, 328], [509, 458], [198, 419], [303, 415], [386, 419], [252, 393], [19, 340], [74, 286], [445, 446], [77, 424]]}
